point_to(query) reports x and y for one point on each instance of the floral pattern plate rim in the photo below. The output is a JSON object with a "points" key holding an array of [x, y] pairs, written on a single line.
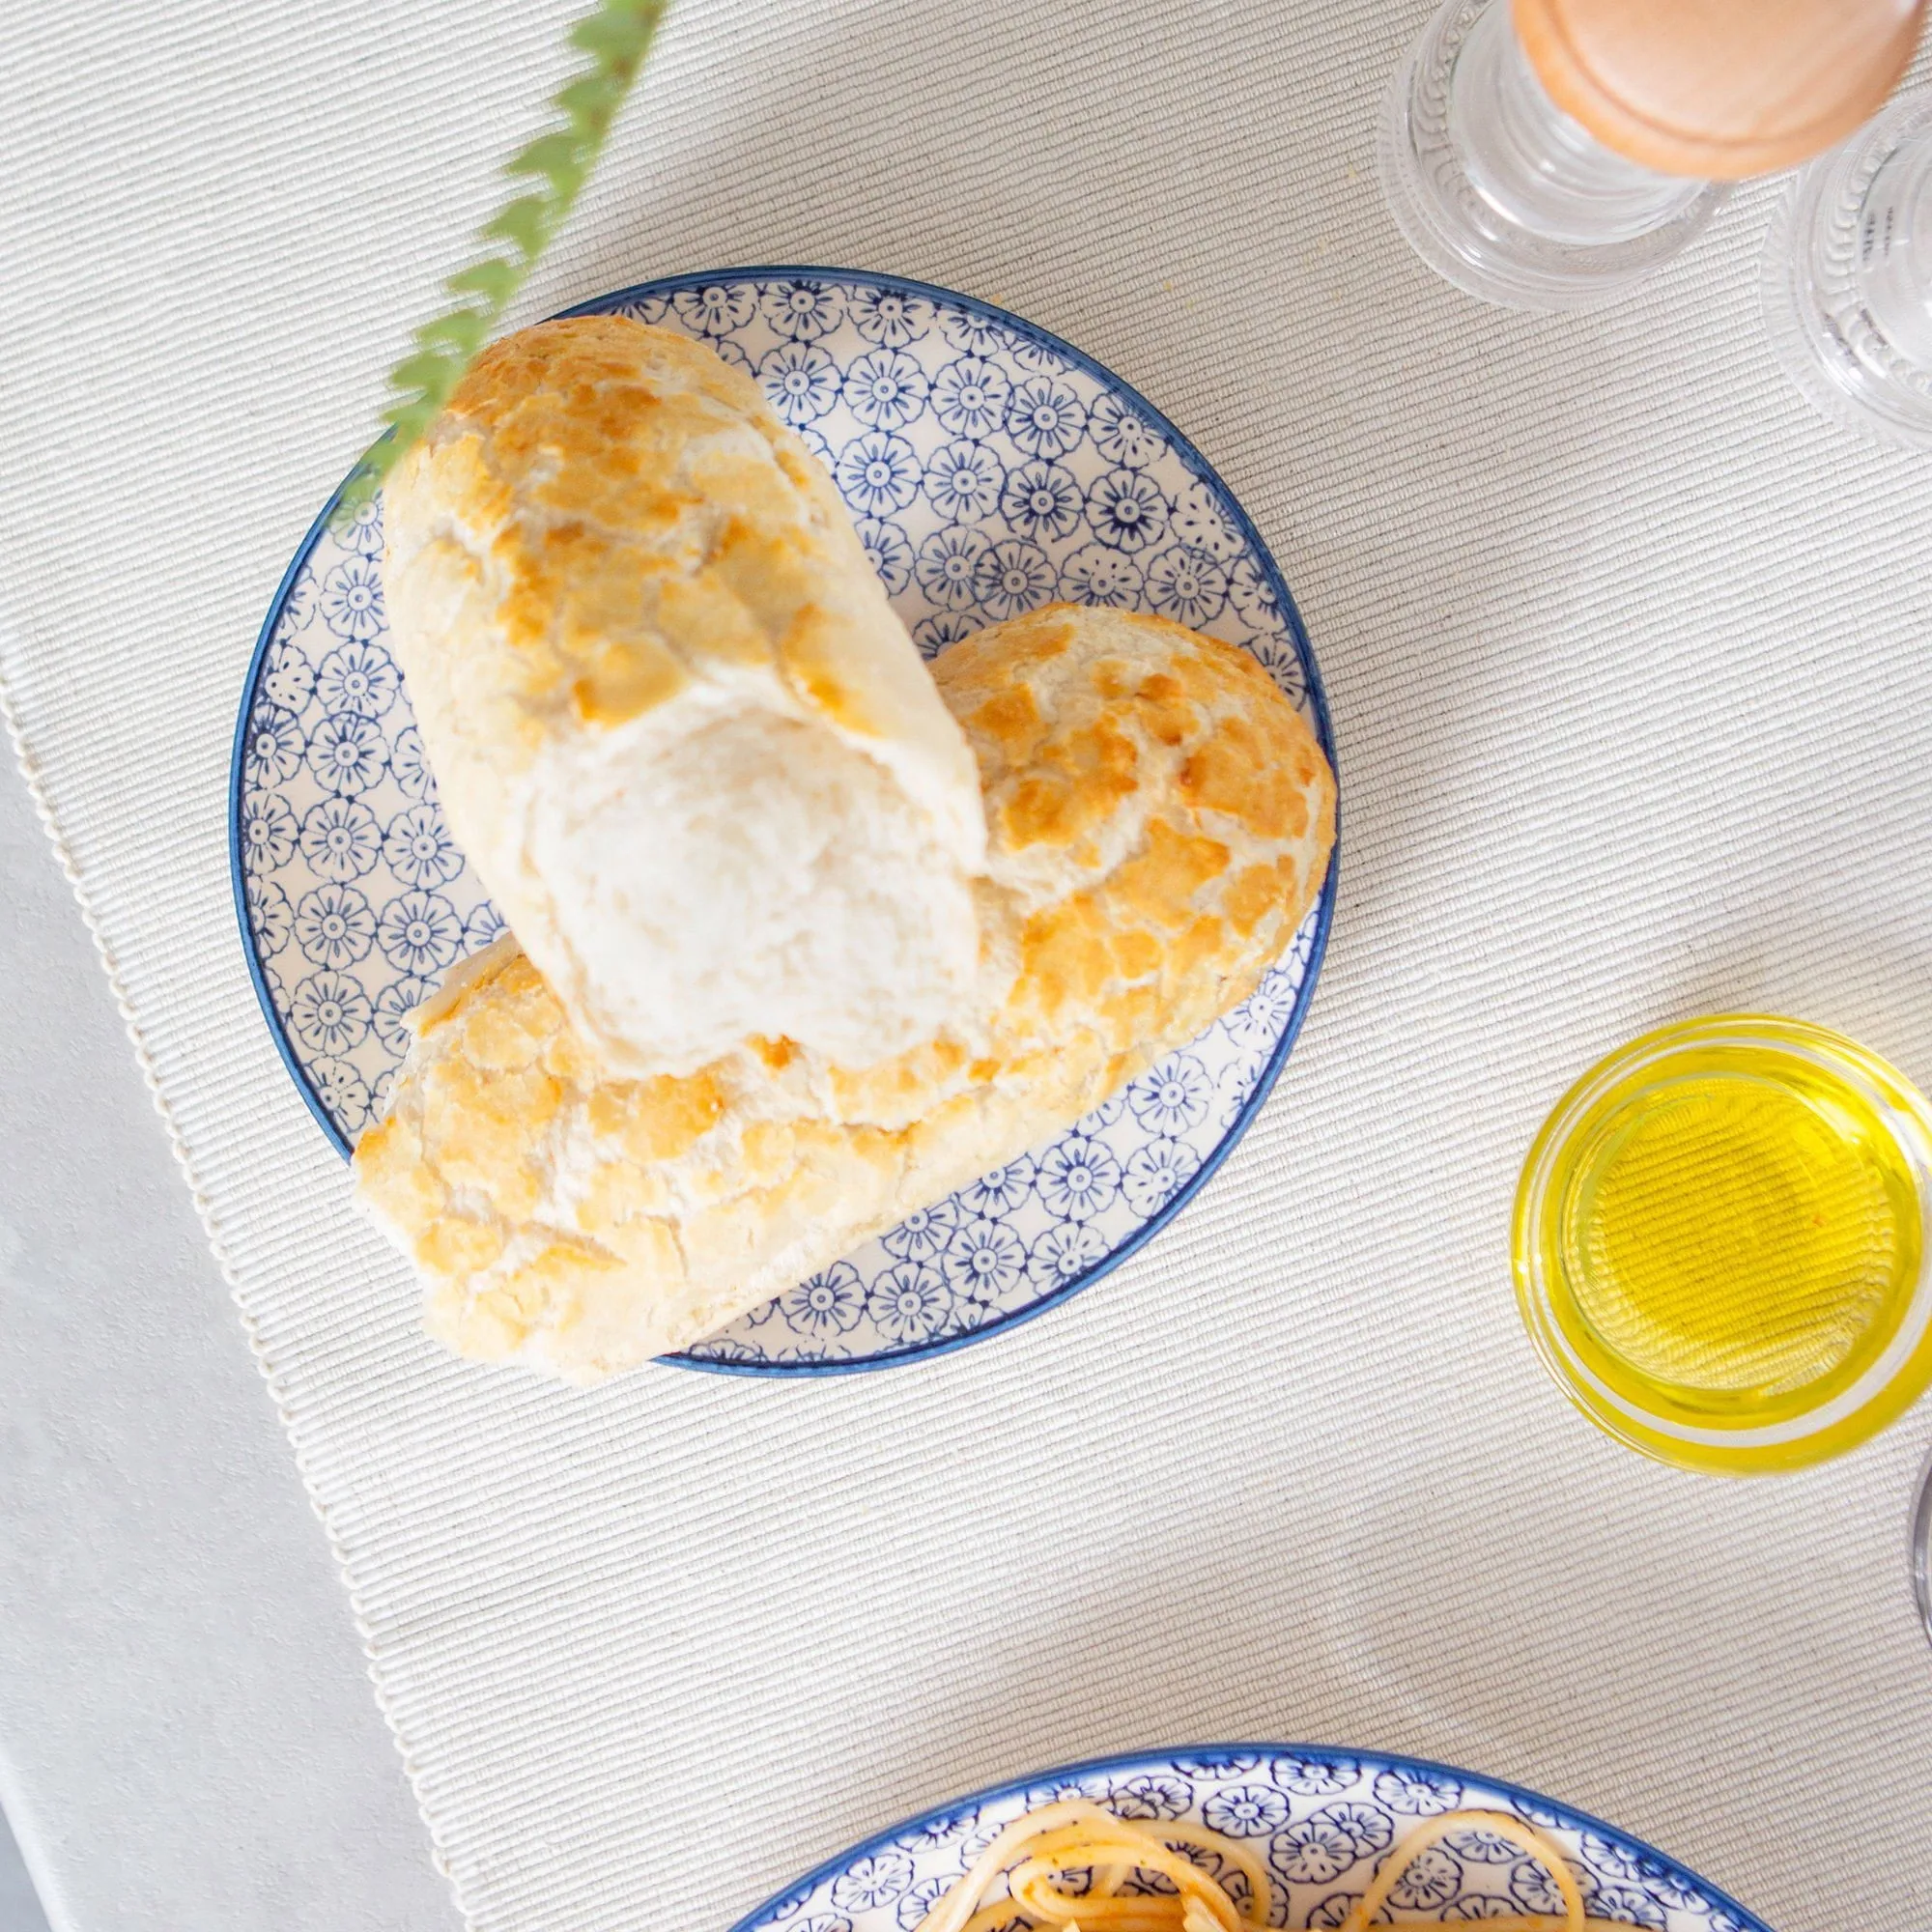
{"points": [[990, 467], [1322, 1816]]}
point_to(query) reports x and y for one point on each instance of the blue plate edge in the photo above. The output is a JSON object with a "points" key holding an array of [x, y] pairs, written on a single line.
{"points": [[1572, 1819], [237, 876], [1185, 448]]}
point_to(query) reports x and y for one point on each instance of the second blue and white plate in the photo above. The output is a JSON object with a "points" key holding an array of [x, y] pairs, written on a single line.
{"points": [[1321, 1821], [991, 467]]}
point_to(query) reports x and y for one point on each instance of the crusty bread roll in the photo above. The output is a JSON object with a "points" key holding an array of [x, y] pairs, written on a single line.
{"points": [[1161, 820], [674, 723]]}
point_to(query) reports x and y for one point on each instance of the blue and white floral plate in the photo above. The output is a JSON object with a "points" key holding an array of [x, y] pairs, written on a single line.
{"points": [[991, 467], [1320, 1819]]}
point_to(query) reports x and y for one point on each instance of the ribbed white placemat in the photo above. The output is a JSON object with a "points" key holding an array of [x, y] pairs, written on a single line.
{"points": [[1629, 662]]}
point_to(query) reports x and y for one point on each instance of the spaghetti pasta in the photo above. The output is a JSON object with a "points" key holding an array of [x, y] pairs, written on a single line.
{"points": [[1064, 1867]]}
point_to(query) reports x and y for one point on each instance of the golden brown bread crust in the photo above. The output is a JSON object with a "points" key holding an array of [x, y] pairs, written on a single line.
{"points": [[1161, 820], [606, 543], [609, 432]]}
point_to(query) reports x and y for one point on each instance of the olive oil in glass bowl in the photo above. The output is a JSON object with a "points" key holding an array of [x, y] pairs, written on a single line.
{"points": [[1719, 1243]]}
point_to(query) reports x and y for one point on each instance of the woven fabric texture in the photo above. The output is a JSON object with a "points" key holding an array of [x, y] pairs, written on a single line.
{"points": [[1628, 663]]}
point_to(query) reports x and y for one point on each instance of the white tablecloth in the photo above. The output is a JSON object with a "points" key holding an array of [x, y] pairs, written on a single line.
{"points": [[1628, 660]]}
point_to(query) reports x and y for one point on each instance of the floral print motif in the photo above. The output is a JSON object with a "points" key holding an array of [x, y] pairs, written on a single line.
{"points": [[352, 598], [1247, 1811], [800, 381], [390, 1015], [1000, 1190], [964, 480], [1314, 1852], [828, 1303], [334, 926], [1011, 578], [1156, 1173], [358, 677], [984, 1260], [287, 676], [419, 933], [909, 1301], [1200, 522], [409, 766], [887, 551], [1174, 1098], [920, 1900], [1096, 575], [1280, 659], [1323, 1774], [1045, 417], [329, 1013], [419, 848], [1420, 1794], [969, 396], [1366, 1825], [1624, 1905], [1126, 510], [1120, 437], [878, 472], [266, 829], [271, 917], [1150, 1795], [275, 748], [1079, 1179], [868, 1883], [1041, 501], [925, 1236], [1064, 1254], [886, 389], [347, 753], [934, 634], [342, 1090], [1252, 594], [1265, 1011], [977, 334], [341, 839], [892, 318], [717, 308], [1187, 586], [297, 608], [483, 927], [803, 310], [948, 564]]}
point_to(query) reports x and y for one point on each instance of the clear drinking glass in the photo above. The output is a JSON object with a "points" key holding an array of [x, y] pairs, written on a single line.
{"points": [[1504, 194], [1847, 279]]}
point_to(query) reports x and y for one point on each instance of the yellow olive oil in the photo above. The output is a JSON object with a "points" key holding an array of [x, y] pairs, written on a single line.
{"points": [[1720, 1243]]}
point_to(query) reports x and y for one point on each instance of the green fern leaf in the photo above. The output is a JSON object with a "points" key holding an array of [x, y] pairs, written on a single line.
{"points": [[616, 37], [496, 281], [462, 331], [546, 155], [589, 102], [524, 223]]}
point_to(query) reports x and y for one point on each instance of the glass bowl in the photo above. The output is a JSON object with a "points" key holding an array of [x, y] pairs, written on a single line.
{"points": [[1720, 1239]]}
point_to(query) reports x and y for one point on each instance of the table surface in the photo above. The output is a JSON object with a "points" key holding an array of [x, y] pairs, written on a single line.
{"points": [[186, 1734], [1628, 662]]}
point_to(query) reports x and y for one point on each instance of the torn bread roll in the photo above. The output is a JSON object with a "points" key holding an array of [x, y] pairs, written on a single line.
{"points": [[675, 724], [1160, 822]]}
